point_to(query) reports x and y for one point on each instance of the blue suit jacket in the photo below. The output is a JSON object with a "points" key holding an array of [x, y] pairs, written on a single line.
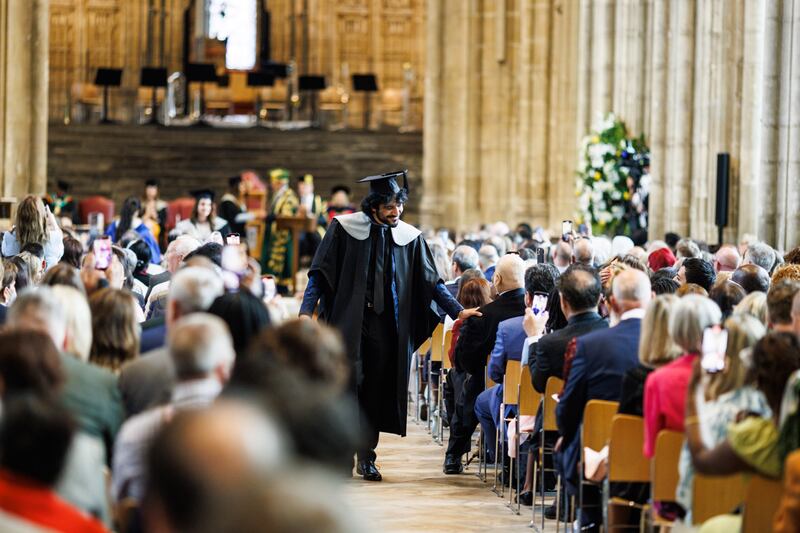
{"points": [[507, 345]]}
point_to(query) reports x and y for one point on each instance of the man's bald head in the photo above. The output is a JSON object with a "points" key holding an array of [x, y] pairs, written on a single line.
{"points": [[727, 259], [562, 254], [583, 252], [509, 273], [752, 278], [631, 290]]}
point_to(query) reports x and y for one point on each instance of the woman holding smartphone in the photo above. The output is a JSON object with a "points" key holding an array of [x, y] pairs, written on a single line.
{"points": [[130, 220], [35, 224]]}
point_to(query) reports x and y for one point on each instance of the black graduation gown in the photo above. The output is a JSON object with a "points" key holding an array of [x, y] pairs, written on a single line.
{"points": [[341, 265]]}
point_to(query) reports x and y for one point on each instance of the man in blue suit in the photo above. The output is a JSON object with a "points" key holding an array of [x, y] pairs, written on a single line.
{"points": [[508, 346], [601, 359]]}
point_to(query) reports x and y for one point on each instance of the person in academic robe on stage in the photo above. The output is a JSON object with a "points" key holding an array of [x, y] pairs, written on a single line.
{"points": [[374, 278], [276, 257], [232, 206], [204, 221], [130, 220], [154, 212], [62, 204], [339, 203], [312, 206]]}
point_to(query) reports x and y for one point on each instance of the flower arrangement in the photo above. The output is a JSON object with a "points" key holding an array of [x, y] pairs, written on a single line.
{"points": [[613, 181]]}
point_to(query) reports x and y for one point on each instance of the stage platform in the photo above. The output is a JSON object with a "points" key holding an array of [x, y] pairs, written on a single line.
{"points": [[115, 160]]}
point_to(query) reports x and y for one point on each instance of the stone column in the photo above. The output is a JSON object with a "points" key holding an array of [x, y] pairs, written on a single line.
{"points": [[23, 96]]}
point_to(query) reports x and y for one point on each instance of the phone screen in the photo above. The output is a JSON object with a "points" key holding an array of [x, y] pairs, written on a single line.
{"points": [[102, 253], [715, 343], [539, 303], [234, 259], [270, 289], [232, 239], [540, 256], [566, 227]]}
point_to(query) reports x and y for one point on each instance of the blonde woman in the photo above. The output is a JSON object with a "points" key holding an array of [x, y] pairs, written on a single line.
{"points": [[78, 342], [755, 305], [35, 224], [656, 349], [115, 330]]}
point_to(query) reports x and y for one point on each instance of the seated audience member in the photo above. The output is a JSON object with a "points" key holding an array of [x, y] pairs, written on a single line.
{"points": [[697, 271], [210, 458], [245, 315], [721, 395], [204, 221], [665, 388], [787, 518], [90, 393], [660, 258], [95, 279], [621, 245], [662, 285], [115, 331], [751, 444], [130, 219], [210, 250], [508, 347], [21, 273], [726, 295], [792, 256], [159, 284], [35, 266], [78, 340], [73, 251], [147, 380], [35, 437], [727, 259], [561, 255], [202, 354], [34, 224], [761, 254], [752, 278], [785, 272], [755, 305], [579, 290], [779, 306], [583, 252], [487, 260], [601, 359], [686, 248], [464, 258], [141, 272], [691, 288], [66, 275], [475, 341]]}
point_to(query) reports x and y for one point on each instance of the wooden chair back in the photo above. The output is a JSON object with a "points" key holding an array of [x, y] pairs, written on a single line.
{"points": [[626, 462], [596, 428], [553, 386], [448, 343], [528, 397], [664, 466], [437, 341], [511, 383], [761, 501], [96, 204], [716, 495], [425, 346], [487, 380], [180, 207]]}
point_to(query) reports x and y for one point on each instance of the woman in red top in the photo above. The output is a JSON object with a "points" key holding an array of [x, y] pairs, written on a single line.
{"points": [[473, 293], [665, 388]]}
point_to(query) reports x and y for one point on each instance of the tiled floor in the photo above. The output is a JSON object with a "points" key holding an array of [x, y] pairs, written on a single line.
{"points": [[416, 496]]}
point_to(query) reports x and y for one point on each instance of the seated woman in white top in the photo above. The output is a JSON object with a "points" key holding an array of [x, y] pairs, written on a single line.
{"points": [[204, 221], [35, 224]]}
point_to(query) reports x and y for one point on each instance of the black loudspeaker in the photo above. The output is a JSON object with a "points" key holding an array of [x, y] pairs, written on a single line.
{"points": [[723, 178]]}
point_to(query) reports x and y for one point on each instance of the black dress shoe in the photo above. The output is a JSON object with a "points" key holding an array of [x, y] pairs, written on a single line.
{"points": [[368, 471], [525, 498], [452, 465], [550, 512]]}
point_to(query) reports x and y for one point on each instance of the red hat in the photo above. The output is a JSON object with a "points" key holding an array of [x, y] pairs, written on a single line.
{"points": [[661, 258]]}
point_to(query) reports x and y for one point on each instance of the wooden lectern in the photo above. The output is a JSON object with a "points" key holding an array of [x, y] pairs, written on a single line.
{"points": [[297, 226]]}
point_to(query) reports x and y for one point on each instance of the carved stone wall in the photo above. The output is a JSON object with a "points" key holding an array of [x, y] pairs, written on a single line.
{"points": [[512, 86]]}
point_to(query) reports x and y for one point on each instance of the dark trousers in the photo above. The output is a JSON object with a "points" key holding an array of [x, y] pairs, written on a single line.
{"points": [[464, 421], [377, 394]]}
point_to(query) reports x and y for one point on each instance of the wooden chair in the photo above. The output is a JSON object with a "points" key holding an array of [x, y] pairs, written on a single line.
{"points": [[529, 401], [664, 472], [448, 342], [715, 495], [420, 353], [510, 398], [124, 512], [96, 204], [626, 462], [761, 501], [552, 388], [595, 434], [179, 209], [437, 345]]}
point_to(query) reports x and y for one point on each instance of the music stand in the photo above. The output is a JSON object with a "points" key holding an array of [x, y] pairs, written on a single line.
{"points": [[276, 70], [201, 73], [367, 84], [107, 77], [259, 80], [153, 77], [312, 84]]}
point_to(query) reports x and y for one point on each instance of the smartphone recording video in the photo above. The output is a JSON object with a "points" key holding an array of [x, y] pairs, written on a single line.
{"points": [[539, 303], [540, 256], [270, 289], [102, 253], [233, 239], [715, 343], [566, 230]]}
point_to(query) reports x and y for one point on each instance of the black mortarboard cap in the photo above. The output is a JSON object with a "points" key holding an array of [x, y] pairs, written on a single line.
{"points": [[62, 185], [386, 183], [344, 188], [199, 194], [151, 183], [234, 181]]}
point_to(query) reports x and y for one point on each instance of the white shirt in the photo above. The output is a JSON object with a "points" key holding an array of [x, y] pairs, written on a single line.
{"points": [[633, 313]]}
